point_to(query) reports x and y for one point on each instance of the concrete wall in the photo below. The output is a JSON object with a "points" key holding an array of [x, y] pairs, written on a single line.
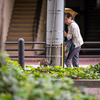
{"points": [[41, 35], [8, 8], [1, 17]]}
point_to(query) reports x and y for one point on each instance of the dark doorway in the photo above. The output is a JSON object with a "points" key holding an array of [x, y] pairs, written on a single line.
{"points": [[79, 7], [88, 19]]}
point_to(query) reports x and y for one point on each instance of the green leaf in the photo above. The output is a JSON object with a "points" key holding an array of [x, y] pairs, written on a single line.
{"points": [[4, 96]]}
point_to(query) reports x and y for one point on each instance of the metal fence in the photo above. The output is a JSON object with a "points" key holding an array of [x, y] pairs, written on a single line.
{"points": [[21, 50], [36, 56], [90, 49]]}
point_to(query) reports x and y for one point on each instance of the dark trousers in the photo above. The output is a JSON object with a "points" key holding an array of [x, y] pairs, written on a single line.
{"points": [[74, 55]]}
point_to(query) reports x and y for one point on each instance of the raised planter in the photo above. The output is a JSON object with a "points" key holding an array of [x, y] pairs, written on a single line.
{"points": [[94, 83]]}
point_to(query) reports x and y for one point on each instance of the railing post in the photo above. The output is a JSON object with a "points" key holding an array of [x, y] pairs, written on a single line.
{"points": [[21, 52]]}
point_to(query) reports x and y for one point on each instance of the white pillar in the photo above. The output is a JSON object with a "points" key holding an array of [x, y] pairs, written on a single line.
{"points": [[55, 30]]}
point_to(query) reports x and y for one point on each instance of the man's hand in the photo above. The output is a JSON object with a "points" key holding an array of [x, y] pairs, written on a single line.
{"points": [[65, 34]]}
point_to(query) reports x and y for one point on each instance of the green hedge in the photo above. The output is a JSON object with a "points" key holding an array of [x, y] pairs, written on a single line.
{"points": [[92, 72], [17, 84]]}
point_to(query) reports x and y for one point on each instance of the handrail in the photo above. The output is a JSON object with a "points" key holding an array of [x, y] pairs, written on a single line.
{"points": [[26, 49], [21, 49], [86, 42], [40, 56], [90, 49], [35, 56], [92, 42], [25, 42], [89, 56]]}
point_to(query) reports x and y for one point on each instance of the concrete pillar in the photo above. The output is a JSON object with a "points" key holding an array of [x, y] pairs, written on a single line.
{"points": [[1, 21], [7, 12], [55, 30]]}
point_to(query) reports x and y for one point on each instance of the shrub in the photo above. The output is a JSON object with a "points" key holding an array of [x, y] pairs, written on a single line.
{"points": [[58, 72], [15, 84]]}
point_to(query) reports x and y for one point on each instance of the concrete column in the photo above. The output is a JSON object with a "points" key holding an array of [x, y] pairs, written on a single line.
{"points": [[55, 30], [1, 21], [7, 12]]}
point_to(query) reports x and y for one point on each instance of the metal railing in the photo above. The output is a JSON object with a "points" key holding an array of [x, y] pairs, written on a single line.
{"points": [[21, 50], [36, 56], [90, 49], [44, 56]]}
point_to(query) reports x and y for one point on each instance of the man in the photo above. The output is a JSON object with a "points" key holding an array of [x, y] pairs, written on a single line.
{"points": [[73, 30]]}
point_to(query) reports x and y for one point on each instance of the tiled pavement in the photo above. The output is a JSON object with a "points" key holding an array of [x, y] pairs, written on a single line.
{"points": [[94, 91], [89, 61], [82, 61]]}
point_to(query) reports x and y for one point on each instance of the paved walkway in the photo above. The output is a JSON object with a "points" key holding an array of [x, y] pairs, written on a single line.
{"points": [[82, 61], [89, 61], [94, 91]]}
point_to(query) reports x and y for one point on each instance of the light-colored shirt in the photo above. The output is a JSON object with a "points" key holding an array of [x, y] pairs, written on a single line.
{"points": [[73, 29]]}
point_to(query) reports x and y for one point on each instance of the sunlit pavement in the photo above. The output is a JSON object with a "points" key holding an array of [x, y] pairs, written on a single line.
{"points": [[36, 65], [83, 62]]}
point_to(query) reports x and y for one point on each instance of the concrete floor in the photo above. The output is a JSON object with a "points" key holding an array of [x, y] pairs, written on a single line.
{"points": [[94, 91]]}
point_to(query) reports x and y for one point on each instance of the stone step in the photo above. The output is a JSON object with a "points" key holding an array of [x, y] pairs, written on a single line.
{"points": [[25, 8], [22, 20], [21, 33], [95, 83], [17, 41], [22, 30], [21, 25], [15, 53], [16, 46], [32, 1], [23, 15], [25, 4], [18, 37], [25, 1], [24, 12]]}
